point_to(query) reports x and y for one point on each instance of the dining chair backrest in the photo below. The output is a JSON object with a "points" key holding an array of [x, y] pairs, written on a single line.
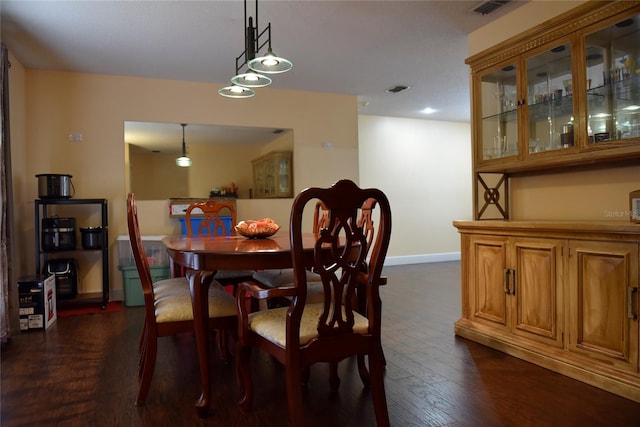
{"points": [[343, 268], [211, 223], [140, 257], [365, 220], [218, 218], [320, 217]]}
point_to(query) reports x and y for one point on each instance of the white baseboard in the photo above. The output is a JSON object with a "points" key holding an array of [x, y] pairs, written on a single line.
{"points": [[420, 259]]}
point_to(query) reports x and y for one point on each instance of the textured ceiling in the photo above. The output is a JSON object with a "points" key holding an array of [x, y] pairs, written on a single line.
{"points": [[359, 48]]}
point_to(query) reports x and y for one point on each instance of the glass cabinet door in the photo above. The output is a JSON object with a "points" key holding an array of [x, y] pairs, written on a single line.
{"points": [[272, 175], [283, 176], [258, 180], [499, 118], [270, 178], [613, 82], [550, 100]]}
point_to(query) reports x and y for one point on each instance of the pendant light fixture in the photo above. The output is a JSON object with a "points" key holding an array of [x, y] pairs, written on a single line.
{"points": [[183, 161], [269, 63]]}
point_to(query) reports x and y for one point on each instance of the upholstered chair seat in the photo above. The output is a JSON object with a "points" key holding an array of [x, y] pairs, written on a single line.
{"points": [[270, 324], [175, 305]]}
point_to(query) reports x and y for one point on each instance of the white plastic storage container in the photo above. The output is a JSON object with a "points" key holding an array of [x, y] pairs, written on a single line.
{"points": [[158, 263], [156, 251]]}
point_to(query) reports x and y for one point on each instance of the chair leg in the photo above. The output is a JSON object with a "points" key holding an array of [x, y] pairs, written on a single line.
{"points": [[363, 371], [306, 374], [294, 395], [243, 373], [334, 379], [142, 350], [142, 337], [376, 366], [222, 338], [148, 366]]}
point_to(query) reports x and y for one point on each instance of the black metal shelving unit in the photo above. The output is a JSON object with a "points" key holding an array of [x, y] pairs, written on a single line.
{"points": [[41, 211]]}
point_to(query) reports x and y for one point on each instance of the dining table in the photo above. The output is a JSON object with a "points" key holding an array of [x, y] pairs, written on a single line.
{"points": [[201, 257]]}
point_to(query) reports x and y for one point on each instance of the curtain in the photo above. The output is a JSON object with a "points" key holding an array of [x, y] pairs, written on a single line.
{"points": [[5, 184]]}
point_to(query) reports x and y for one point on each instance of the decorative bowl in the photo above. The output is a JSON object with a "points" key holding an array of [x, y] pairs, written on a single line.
{"points": [[257, 229]]}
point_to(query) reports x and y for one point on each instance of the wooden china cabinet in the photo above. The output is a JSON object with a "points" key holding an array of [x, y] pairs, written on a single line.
{"points": [[272, 175], [561, 294]]}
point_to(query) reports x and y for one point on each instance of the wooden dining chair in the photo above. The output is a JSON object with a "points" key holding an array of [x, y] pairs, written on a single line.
{"points": [[274, 278], [212, 224], [168, 309], [331, 330]]}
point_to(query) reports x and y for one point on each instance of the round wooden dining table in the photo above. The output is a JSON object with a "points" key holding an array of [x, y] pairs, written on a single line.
{"points": [[203, 256]]}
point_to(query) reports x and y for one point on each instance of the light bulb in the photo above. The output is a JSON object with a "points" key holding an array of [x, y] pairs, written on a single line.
{"points": [[183, 162]]}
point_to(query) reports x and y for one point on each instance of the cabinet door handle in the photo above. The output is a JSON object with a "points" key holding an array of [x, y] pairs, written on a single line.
{"points": [[508, 281], [630, 313], [512, 284], [505, 280]]}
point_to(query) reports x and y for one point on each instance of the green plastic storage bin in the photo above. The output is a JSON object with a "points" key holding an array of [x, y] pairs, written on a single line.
{"points": [[133, 296]]}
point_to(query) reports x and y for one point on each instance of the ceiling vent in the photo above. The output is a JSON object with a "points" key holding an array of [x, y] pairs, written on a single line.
{"points": [[397, 89], [487, 7]]}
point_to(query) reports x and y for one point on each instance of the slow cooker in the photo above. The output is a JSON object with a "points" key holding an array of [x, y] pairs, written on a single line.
{"points": [[91, 237], [55, 186]]}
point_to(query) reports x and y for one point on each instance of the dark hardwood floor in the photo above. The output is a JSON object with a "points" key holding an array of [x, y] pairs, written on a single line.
{"points": [[82, 372]]}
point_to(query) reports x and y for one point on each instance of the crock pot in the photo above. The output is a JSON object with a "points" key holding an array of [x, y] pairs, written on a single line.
{"points": [[91, 237], [55, 186]]}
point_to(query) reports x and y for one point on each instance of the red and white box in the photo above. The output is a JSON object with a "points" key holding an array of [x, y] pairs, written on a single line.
{"points": [[37, 295]]}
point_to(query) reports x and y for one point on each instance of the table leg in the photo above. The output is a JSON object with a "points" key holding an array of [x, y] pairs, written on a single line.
{"points": [[199, 282]]}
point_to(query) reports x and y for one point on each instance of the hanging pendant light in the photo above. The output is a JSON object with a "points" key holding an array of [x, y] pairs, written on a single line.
{"points": [[183, 161], [269, 63], [235, 91], [251, 79]]}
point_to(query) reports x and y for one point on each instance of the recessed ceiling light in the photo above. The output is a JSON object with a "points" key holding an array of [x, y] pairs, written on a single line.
{"points": [[429, 110]]}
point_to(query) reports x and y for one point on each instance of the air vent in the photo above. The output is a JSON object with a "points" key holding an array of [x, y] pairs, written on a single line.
{"points": [[487, 7], [397, 89]]}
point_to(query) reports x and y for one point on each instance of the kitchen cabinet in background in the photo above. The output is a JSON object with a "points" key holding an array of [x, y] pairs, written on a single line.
{"points": [[272, 175]]}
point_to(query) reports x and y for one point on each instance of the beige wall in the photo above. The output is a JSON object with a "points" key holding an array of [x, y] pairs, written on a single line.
{"points": [[597, 194], [48, 106], [153, 176], [424, 167]]}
